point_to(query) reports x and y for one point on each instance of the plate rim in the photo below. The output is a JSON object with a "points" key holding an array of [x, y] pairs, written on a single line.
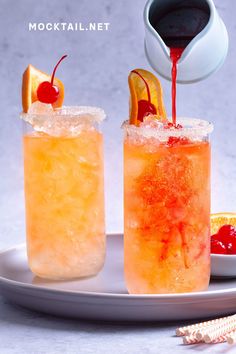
{"points": [[200, 295]]}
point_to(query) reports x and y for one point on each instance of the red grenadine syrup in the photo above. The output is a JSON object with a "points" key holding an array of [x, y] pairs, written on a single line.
{"points": [[175, 54]]}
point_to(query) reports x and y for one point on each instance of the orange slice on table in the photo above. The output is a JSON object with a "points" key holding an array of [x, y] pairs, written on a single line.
{"points": [[32, 77], [220, 219], [138, 92]]}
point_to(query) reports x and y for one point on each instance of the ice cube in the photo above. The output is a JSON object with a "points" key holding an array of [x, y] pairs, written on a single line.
{"points": [[93, 114], [40, 108], [150, 121]]}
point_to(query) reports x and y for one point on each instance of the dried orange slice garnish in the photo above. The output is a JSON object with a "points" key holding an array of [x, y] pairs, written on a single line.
{"points": [[220, 219], [145, 96], [32, 78]]}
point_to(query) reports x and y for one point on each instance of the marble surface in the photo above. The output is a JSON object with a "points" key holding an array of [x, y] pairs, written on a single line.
{"points": [[96, 73]]}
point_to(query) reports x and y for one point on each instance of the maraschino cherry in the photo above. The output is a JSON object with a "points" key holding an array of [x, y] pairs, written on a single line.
{"points": [[145, 106], [227, 230], [224, 242], [47, 92], [218, 247]]}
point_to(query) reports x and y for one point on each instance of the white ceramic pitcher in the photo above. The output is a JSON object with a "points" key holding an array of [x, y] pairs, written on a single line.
{"points": [[204, 54]]}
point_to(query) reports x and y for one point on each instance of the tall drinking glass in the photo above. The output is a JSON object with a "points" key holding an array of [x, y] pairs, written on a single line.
{"points": [[167, 207], [64, 192]]}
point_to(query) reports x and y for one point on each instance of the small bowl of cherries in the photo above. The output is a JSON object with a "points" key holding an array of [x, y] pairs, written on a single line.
{"points": [[223, 248]]}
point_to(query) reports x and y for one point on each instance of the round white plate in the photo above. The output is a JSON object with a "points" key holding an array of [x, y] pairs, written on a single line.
{"points": [[223, 265], [104, 297]]}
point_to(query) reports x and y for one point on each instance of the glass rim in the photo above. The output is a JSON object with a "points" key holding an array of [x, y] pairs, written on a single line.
{"points": [[64, 121], [192, 128], [89, 113]]}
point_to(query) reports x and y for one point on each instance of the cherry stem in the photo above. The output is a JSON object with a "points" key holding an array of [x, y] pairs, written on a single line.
{"points": [[145, 82], [54, 71]]}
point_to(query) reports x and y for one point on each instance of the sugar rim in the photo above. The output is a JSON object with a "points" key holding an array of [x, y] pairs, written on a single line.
{"points": [[92, 114], [192, 128]]}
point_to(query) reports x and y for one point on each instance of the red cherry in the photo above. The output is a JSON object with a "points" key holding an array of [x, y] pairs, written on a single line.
{"points": [[47, 92], [230, 245], [218, 247], [145, 108], [215, 237], [227, 230]]}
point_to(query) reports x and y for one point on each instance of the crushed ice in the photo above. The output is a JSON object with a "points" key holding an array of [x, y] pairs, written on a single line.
{"points": [[67, 120], [192, 128]]}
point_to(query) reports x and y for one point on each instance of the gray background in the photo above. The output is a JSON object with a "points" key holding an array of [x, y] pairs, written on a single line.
{"points": [[95, 73]]}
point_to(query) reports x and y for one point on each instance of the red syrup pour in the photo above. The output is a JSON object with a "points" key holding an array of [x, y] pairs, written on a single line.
{"points": [[175, 54]]}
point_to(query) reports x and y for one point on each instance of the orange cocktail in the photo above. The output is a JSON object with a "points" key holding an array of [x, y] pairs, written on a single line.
{"points": [[167, 208], [64, 193]]}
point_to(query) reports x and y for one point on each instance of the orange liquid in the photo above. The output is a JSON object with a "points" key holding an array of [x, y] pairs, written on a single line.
{"points": [[167, 217], [64, 197]]}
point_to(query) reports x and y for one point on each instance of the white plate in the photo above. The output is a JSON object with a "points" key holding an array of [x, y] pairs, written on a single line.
{"points": [[223, 265], [104, 297]]}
